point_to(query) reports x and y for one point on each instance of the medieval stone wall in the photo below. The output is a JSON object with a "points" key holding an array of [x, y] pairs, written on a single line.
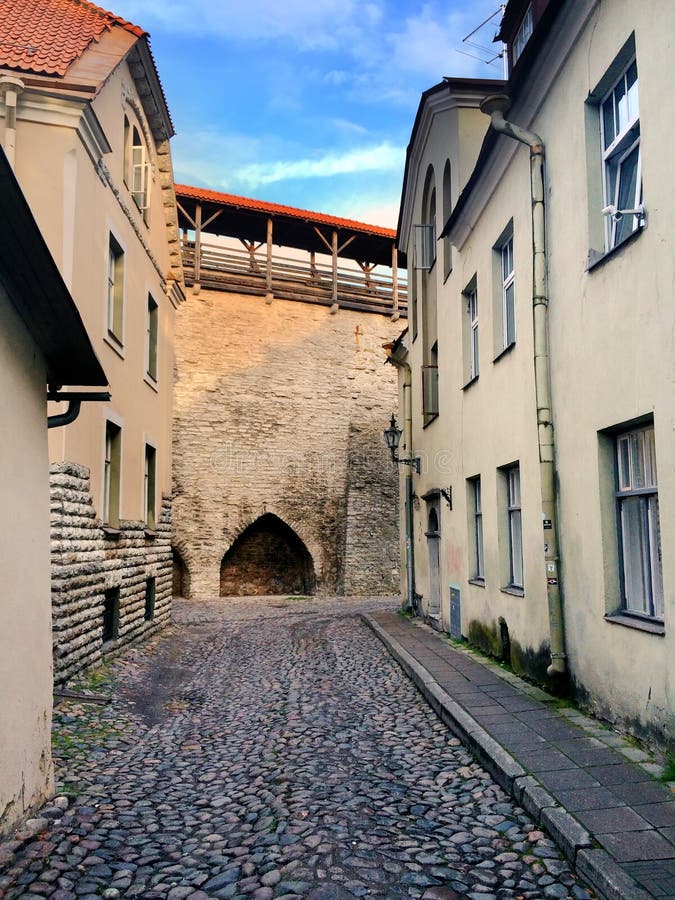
{"points": [[279, 409], [87, 563]]}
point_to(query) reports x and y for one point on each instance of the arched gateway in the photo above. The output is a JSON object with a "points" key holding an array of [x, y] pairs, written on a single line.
{"points": [[268, 557]]}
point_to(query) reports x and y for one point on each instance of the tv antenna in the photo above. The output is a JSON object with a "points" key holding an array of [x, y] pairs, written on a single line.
{"points": [[487, 54]]}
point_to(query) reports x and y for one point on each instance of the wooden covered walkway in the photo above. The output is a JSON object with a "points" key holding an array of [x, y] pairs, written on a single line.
{"points": [[345, 264]]}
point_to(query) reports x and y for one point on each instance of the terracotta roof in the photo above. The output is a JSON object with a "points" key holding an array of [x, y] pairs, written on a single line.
{"points": [[278, 209], [47, 36]]}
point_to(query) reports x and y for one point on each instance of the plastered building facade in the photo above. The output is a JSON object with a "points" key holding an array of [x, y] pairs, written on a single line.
{"points": [[282, 480], [87, 123], [583, 249]]}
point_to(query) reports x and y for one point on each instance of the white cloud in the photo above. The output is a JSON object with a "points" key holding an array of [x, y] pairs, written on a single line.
{"points": [[381, 158], [307, 24]]}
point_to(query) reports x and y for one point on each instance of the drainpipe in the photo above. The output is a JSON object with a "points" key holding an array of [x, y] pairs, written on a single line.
{"points": [[495, 106], [407, 437], [75, 399], [10, 88]]}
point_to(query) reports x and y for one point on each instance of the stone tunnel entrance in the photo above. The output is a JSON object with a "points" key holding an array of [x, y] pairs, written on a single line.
{"points": [[267, 558]]}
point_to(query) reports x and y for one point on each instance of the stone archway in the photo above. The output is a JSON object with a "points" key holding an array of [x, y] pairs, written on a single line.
{"points": [[180, 575], [267, 558]]}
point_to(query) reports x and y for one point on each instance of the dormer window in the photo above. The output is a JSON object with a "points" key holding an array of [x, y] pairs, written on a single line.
{"points": [[136, 166], [523, 35]]}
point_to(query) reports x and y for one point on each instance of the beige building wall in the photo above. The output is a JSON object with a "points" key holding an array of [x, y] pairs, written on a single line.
{"points": [[70, 162], [26, 775], [280, 410], [611, 348]]}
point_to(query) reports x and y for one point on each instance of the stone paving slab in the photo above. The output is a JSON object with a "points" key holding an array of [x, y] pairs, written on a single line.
{"points": [[582, 783]]}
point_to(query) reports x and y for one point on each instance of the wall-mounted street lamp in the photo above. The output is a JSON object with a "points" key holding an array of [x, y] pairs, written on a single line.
{"points": [[392, 436]]}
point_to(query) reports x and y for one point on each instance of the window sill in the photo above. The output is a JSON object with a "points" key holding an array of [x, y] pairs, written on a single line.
{"points": [[471, 381], [651, 626], [151, 382], [479, 582], [150, 534], [514, 590], [504, 351], [110, 533], [429, 419], [114, 344], [597, 258]]}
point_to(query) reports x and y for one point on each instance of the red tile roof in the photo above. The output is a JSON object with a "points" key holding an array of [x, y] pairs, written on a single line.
{"points": [[194, 193], [47, 36]]}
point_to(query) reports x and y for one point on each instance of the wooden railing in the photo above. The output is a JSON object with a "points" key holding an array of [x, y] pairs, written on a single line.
{"points": [[244, 271]]}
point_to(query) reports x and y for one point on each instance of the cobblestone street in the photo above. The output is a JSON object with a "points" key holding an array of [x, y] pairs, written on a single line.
{"points": [[271, 748]]}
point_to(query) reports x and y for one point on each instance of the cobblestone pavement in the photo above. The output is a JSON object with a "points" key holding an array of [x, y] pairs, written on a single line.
{"points": [[271, 748]]}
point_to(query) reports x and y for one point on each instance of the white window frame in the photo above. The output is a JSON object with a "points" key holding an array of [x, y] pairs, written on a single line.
{"points": [[139, 180], [637, 487], [617, 148], [472, 312], [508, 276], [515, 523], [107, 471], [479, 560]]}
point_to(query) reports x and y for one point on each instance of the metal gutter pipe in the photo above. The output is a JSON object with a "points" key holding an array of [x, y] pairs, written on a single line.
{"points": [[409, 493], [75, 399], [495, 106]]}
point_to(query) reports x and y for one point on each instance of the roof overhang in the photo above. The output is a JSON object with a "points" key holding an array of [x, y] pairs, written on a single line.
{"points": [[37, 291], [243, 217]]}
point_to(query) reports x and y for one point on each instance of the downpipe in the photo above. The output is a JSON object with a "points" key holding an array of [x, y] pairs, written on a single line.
{"points": [[495, 106]]}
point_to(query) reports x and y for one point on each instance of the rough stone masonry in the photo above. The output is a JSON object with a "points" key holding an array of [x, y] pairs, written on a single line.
{"points": [[278, 450]]}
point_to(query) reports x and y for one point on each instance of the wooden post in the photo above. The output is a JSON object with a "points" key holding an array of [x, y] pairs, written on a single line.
{"points": [[334, 249], [198, 249], [394, 283], [269, 296]]}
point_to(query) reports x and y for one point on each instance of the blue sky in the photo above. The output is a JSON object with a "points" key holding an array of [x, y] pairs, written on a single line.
{"points": [[304, 102]]}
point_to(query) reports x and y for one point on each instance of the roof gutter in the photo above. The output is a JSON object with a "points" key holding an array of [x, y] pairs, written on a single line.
{"points": [[495, 106], [75, 400]]}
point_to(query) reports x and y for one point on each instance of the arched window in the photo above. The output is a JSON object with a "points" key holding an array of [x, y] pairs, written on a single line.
{"points": [[447, 209], [136, 166]]}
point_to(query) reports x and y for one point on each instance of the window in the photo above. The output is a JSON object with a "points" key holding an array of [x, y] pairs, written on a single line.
{"points": [[476, 506], [150, 592], [523, 34], [111, 475], [473, 322], [470, 343], [638, 523], [515, 533], [430, 387], [151, 339], [447, 209], [111, 615], [149, 485], [140, 170], [508, 294], [622, 168], [115, 299], [425, 246]]}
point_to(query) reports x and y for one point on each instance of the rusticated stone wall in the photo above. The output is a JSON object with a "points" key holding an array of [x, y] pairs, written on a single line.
{"points": [[87, 562], [279, 409]]}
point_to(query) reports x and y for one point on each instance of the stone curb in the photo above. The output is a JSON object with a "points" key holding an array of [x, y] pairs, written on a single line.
{"points": [[596, 866]]}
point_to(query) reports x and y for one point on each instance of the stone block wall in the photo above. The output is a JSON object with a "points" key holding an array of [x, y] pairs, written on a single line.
{"points": [[279, 409], [86, 562]]}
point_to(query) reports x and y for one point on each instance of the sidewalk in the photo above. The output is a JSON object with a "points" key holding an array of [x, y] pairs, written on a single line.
{"points": [[612, 820]]}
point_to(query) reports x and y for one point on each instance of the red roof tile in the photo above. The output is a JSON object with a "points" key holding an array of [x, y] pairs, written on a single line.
{"points": [[47, 36], [277, 209]]}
